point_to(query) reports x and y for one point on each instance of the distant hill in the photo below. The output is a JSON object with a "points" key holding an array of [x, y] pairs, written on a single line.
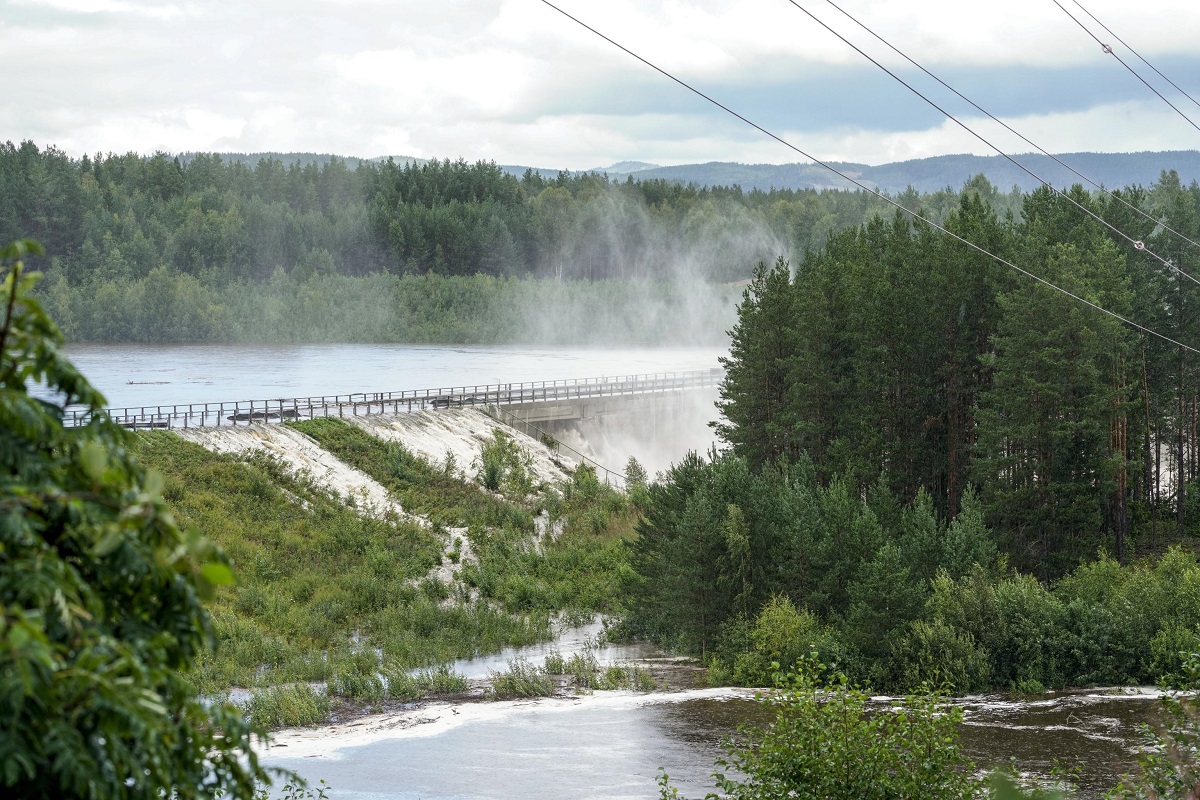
{"points": [[931, 174], [1113, 170]]}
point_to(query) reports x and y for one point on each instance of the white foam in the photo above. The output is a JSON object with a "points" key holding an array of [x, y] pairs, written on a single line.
{"points": [[435, 718]]}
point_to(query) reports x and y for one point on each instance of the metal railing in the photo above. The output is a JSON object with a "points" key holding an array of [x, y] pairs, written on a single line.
{"points": [[206, 415]]}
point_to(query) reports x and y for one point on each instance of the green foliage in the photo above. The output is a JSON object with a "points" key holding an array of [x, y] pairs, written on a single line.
{"points": [[313, 573], [781, 637], [521, 679], [100, 596], [887, 591], [290, 706], [977, 392], [823, 741], [504, 466]]}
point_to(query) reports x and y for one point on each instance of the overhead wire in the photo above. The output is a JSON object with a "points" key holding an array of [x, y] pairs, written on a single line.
{"points": [[1107, 48], [1136, 53], [1137, 243], [1095, 184], [828, 166]]}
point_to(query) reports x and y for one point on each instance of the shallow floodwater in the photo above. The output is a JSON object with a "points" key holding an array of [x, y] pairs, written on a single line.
{"points": [[569, 642], [145, 375], [612, 744]]}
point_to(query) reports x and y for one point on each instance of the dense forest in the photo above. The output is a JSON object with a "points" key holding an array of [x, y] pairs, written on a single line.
{"points": [[929, 451], [209, 248]]}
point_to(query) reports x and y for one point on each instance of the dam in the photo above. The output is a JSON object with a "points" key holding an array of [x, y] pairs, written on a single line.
{"points": [[602, 421]]}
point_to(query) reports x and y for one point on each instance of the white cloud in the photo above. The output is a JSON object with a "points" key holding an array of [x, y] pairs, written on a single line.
{"points": [[514, 81]]}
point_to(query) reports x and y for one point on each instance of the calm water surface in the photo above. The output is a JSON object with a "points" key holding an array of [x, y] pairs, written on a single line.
{"points": [[143, 375]]}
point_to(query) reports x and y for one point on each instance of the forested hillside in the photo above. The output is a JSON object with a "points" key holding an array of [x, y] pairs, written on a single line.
{"points": [[209, 248], [931, 455]]}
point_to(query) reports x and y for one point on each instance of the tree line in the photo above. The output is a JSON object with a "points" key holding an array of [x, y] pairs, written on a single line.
{"points": [[211, 229], [928, 452], [900, 350]]}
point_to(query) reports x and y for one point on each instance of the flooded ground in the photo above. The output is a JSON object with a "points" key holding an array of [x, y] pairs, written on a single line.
{"points": [[612, 744]]}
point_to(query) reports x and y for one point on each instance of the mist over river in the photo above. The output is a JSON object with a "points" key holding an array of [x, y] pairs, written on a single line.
{"points": [[144, 375]]}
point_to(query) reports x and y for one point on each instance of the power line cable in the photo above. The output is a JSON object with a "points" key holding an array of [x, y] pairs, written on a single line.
{"points": [[868, 189], [1137, 243], [1136, 53], [1095, 184], [1108, 49]]}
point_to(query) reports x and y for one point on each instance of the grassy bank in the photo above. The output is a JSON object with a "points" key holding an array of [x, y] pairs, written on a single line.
{"points": [[327, 596], [579, 567]]}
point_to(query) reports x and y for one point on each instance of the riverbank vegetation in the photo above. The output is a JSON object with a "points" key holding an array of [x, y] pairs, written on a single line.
{"points": [[939, 466], [578, 565], [102, 612], [336, 606]]}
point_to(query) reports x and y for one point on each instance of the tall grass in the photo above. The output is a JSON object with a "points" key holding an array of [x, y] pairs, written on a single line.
{"points": [[317, 583], [521, 679], [291, 706], [581, 570]]}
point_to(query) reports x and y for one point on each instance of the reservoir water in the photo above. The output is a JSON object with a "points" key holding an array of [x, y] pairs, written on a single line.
{"points": [[144, 375]]}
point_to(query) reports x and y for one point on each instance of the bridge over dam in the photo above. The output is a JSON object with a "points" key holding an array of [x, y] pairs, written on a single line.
{"points": [[653, 417]]}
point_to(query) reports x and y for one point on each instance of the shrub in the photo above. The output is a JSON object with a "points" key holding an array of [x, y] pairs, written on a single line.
{"points": [[781, 636], [101, 619], [823, 742], [503, 465], [933, 653]]}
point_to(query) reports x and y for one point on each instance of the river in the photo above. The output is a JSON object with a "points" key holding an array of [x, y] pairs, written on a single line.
{"points": [[611, 745]]}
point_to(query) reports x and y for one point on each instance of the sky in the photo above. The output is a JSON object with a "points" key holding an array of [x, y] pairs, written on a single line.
{"points": [[514, 81]]}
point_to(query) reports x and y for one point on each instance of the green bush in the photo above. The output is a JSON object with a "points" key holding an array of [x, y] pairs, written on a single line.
{"points": [[504, 466], [101, 595], [824, 742], [780, 637], [934, 653]]}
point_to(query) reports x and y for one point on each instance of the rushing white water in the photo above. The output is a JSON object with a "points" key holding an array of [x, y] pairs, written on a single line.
{"points": [[459, 432], [302, 455]]}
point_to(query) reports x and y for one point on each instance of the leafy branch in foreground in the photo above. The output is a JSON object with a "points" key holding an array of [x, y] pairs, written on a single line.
{"points": [[100, 596]]}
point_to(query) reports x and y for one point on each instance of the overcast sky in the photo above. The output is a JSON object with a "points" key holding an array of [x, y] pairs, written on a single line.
{"points": [[515, 82]]}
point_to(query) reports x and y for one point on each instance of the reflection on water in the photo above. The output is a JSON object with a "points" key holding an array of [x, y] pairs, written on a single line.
{"points": [[611, 745]]}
